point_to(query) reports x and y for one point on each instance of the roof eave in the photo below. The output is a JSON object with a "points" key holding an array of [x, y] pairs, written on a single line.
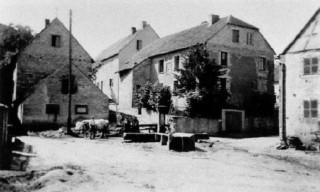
{"points": [[300, 32]]}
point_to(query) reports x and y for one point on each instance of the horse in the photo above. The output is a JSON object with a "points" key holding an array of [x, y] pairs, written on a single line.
{"points": [[89, 128]]}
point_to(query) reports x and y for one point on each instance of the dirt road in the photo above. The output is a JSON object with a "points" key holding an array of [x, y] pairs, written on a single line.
{"points": [[111, 165]]}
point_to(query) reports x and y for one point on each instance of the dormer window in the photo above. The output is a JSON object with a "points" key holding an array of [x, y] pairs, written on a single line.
{"points": [[55, 40], [235, 36], [139, 44]]}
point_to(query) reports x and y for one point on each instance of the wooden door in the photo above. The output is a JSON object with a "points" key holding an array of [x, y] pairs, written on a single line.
{"points": [[233, 121]]}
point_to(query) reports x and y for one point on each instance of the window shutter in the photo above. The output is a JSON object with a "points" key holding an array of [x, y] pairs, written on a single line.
{"points": [[306, 106], [306, 64], [314, 68]]}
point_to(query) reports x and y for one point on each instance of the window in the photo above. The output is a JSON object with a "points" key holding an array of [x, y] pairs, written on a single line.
{"points": [[65, 84], [310, 66], [98, 84], [223, 84], [168, 67], [262, 64], [224, 58], [101, 85], [81, 109], [175, 85], [235, 36], [139, 111], [111, 82], [55, 40], [52, 109], [161, 66], [262, 85], [310, 109], [249, 38], [176, 62], [139, 44]]}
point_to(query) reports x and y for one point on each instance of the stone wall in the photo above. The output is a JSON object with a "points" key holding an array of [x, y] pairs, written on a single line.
{"points": [[195, 125], [48, 91]]}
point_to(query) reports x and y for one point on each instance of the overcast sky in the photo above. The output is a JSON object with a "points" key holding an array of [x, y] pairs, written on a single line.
{"points": [[99, 23]]}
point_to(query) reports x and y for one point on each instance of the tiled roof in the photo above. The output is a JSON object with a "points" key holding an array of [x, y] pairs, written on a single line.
{"points": [[237, 22], [182, 40], [116, 47]]}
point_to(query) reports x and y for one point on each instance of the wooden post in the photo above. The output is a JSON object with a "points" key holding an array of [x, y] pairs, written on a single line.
{"points": [[282, 106], [5, 141]]}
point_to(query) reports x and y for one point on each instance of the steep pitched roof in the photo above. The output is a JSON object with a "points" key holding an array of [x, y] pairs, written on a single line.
{"points": [[183, 40], [115, 48], [305, 43], [56, 21], [61, 69], [32, 87], [237, 22]]}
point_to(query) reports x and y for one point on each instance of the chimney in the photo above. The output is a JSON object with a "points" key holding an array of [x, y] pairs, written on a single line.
{"points": [[47, 22], [133, 30], [213, 19], [144, 24]]}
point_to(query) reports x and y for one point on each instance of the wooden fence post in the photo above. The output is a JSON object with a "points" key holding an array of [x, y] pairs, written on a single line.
{"points": [[5, 140]]}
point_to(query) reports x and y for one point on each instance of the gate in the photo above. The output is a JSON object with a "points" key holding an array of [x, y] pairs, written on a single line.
{"points": [[232, 120], [4, 138]]}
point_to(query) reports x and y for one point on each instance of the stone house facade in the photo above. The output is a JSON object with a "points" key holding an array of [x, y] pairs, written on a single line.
{"points": [[231, 42], [48, 104], [38, 89], [113, 59], [302, 87]]}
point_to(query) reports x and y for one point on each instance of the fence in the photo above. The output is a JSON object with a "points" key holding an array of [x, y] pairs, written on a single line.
{"points": [[4, 138]]}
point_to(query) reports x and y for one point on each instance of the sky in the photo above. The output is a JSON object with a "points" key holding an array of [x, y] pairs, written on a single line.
{"points": [[99, 23]]}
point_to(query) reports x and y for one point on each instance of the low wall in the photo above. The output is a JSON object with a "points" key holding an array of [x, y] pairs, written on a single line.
{"points": [[261, 124], [195, 125]]}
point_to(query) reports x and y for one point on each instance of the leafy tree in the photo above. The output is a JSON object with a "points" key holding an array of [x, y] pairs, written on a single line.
{"points": [[200, 83], [13, 39], [152, 96]]}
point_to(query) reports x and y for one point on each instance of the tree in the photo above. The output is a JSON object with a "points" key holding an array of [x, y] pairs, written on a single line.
{"points": [[199, 81], [152, 96], [13, 39]]}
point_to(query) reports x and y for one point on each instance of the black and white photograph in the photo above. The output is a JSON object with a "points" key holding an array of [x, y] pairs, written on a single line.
{"points": [[159, 96]]}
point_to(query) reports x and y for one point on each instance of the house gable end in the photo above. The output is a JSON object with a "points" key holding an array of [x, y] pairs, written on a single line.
{"points": [[302, 39]]}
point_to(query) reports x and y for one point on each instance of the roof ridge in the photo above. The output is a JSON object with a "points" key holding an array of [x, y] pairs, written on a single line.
{"points": [[99, 57]]}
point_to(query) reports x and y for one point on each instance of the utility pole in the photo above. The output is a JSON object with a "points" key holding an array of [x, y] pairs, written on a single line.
{"points": [[70, 75]]}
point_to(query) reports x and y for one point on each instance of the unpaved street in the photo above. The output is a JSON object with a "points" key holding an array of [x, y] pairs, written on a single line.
{"points": [[112, 165]]}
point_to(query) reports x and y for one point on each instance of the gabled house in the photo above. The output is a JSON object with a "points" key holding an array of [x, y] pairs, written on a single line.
{"points": [[46, 104], [230, 41], [41, 84], [112, 59], [302, 81]]}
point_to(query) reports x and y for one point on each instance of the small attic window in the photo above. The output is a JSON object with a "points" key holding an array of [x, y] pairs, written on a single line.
{"points": [[55, 40], [139, 44]]}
